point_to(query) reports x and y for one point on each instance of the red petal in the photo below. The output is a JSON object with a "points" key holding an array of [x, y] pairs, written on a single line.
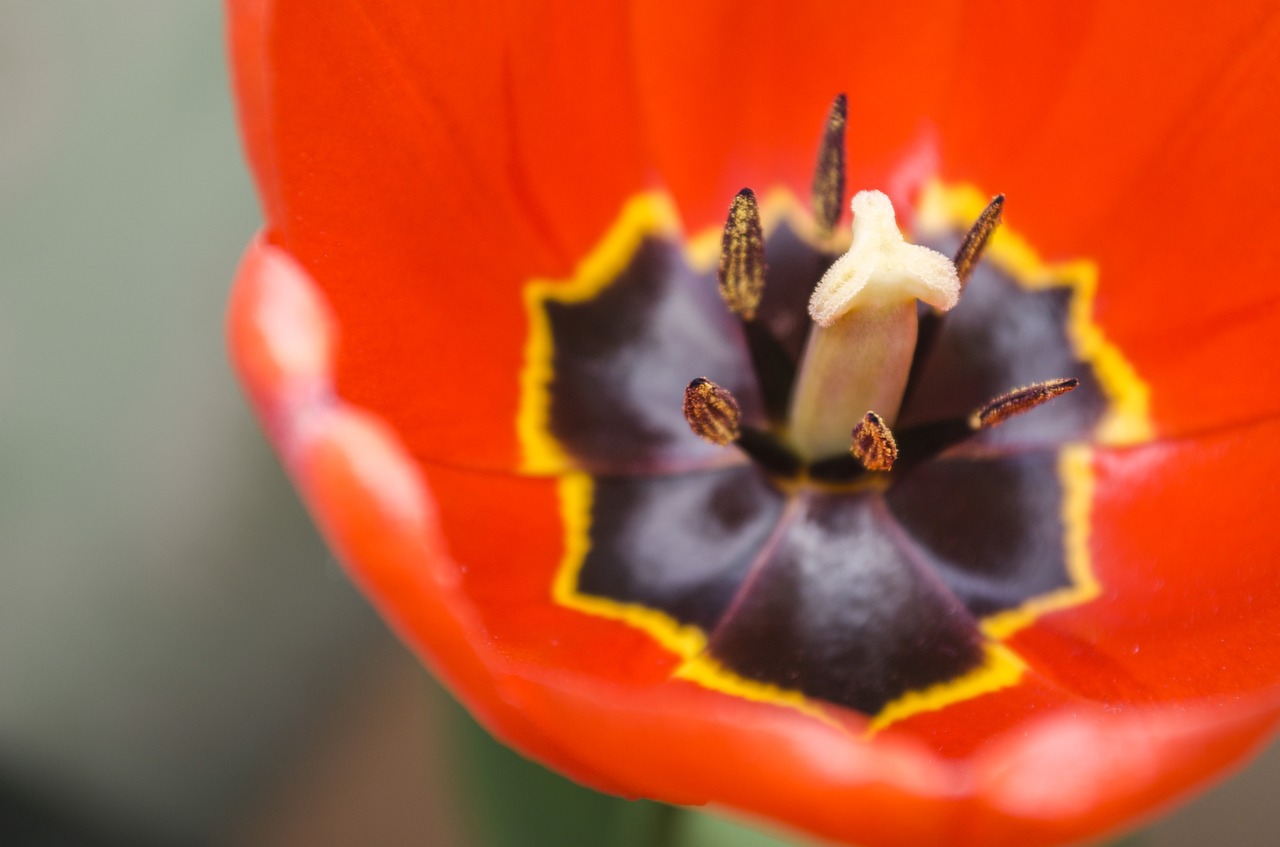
{"points": [[542, 134], [594, 697], [1189, 607], [422, 165], [1138, 136], [423, 208], [366, 493], [1075, 774], [734, 94]]}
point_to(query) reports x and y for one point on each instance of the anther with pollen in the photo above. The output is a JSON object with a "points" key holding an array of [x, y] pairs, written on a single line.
{"points": [[828, 176], [711, 411], [715, 416], [741, 280], [1020, 400], [742, 267], [975, 241], [873, 443]]}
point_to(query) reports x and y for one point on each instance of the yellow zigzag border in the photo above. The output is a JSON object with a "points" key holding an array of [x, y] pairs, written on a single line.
{"points": [[942, 209]]}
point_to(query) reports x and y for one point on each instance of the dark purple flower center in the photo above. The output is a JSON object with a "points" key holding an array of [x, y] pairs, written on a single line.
{"points": [[855, 591]]}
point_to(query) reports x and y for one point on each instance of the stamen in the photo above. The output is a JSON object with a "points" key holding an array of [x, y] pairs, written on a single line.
{"points": [[873, 444], [742, 277], [975, 241], [1021, 400], [742, 256], [711, 411], [714, 415], [967, 258], [828, 176]]}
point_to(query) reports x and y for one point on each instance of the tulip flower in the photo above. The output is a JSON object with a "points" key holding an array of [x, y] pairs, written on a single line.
{"points": [[717, 439]]}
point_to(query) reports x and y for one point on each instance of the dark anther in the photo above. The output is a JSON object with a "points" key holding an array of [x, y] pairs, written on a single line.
{"points": [[975, 241], [711, 411], [742, 256], [828, 176], [1022, 400], [873, 444]]}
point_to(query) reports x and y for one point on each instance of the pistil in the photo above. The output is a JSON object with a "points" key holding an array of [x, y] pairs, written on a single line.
{"points": [[859, 353]]}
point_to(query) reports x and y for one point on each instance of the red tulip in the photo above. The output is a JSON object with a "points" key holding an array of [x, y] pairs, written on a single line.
{"points": [[445, 187]]}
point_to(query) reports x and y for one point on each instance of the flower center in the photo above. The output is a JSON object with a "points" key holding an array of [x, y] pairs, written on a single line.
{"points": [[873, 544], [865, 338]]}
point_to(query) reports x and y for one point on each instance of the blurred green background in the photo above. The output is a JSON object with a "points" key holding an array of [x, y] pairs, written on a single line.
{"points": [[181, 662]]}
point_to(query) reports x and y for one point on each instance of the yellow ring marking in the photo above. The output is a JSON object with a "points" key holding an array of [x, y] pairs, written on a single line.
{"points": [[942, 209]]}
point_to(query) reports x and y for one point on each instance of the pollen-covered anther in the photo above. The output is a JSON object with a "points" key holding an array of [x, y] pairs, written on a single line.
{"points": [[1020, 400], [828, 175], [742, 267], [712, 412], [873, 444], [975, 241]]}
